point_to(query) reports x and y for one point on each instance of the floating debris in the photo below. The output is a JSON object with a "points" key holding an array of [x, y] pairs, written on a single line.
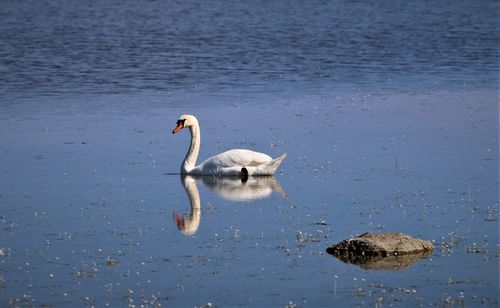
{"points": [[112, 261], [320, 223]]}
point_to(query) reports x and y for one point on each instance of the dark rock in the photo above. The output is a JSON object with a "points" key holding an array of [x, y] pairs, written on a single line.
{"points": [[381, 250]]}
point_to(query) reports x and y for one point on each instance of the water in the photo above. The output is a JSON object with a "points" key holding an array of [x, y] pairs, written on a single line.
{"points": [[388, 111], [55, 48]]}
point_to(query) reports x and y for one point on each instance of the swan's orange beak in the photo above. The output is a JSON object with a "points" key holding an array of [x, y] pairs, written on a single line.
{"points": [[180, 125]]}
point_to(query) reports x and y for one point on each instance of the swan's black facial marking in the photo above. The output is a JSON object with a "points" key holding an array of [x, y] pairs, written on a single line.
{"points": [[180, 125]]}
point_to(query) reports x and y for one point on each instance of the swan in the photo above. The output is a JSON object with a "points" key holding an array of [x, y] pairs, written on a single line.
{"points": [[233, 162]]}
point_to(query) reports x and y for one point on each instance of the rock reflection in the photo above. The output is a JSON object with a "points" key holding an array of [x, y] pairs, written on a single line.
{"points": [[380, 262], [230, 188]]}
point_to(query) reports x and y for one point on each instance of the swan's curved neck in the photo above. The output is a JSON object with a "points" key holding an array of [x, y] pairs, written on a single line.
{"points": [[194, 148]]}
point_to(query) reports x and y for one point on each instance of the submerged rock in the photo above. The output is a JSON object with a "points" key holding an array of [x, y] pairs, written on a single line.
{"points": [[381, 250]]}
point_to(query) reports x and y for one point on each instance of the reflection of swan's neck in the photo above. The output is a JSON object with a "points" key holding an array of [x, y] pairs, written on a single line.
{"points": [[194, 148], [190, 225]]}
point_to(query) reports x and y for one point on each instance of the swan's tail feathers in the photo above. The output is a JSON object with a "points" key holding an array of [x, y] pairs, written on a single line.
{"points": [[270, 167]]}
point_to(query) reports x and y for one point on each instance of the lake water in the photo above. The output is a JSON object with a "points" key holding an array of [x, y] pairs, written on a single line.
{"points": [[388, 112], [55, 48]]}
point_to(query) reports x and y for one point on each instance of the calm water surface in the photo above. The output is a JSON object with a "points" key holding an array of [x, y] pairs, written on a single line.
{"points": [[54, 48], [92, 214], [388, 111]]}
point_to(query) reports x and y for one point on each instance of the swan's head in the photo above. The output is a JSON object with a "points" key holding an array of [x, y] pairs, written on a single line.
{"points": [[185, 120]]}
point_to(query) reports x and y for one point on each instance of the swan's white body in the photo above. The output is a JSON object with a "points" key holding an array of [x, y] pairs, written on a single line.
{"points": [[232, 162]]}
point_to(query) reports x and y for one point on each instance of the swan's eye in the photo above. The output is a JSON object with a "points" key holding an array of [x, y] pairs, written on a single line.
{"points": [[179, 126], [181, 122]]}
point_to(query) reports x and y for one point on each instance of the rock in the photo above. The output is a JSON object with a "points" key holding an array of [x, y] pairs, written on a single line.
{"points": [[382, 244], [381, 250]]}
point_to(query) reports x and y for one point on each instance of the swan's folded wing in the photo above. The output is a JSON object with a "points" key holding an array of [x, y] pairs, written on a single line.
{"points": [[231, 162], [238, 158]]}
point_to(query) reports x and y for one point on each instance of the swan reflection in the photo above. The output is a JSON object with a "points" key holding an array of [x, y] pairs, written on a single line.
{"points": [[230, 188]]}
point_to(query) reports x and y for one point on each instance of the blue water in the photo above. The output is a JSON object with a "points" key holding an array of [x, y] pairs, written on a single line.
{"points": [[55, 47], [388, 111]]}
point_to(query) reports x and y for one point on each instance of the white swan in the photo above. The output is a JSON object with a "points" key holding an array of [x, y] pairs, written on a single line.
{"points": [[232, 162]]}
